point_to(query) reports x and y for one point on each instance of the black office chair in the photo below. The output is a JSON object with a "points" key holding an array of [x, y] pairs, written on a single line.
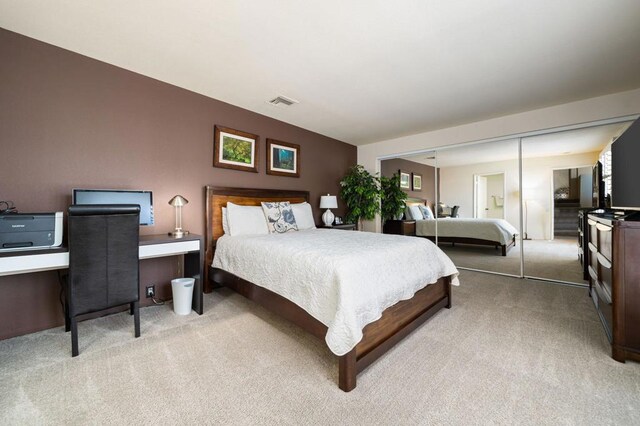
{"points": [[103, 263]]}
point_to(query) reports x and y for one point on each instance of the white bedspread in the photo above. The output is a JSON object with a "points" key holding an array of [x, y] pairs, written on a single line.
{"points": [[344, 279], [484, 229]]}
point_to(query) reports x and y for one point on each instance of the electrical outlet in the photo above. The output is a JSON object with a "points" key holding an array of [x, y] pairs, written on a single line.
{"points": [[151, 291]]}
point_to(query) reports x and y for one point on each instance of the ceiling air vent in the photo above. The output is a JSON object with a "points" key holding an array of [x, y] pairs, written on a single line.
{"points": [[283, 101]]}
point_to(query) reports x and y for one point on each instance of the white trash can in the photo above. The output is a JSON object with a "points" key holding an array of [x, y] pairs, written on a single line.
{"points": [[182, 289]]}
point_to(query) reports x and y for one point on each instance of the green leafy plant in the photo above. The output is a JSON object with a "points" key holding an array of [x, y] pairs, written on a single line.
{"points": [[360, 190], [393, 197]]}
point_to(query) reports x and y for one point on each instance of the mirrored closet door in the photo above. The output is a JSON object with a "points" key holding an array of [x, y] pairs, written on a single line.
{"points": [[562, 180], [478, 210]]}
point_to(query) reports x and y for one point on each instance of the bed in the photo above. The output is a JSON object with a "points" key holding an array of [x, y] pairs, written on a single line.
{"points": [[401, 317], [487, 232], [491, 232]]}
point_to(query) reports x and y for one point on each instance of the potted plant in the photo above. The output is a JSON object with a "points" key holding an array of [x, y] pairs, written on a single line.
{"points": [[393, 198], [360, 191]]}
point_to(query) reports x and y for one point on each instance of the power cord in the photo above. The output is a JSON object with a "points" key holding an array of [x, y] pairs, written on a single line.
{"points": [[7, 207], [158, 301]]}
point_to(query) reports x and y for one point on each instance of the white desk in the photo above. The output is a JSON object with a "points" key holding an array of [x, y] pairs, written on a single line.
{"points": [[25, 262]]}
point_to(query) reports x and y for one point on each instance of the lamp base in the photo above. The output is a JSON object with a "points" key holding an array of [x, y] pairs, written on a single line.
{"points": [[328, 217], [178, 233]]}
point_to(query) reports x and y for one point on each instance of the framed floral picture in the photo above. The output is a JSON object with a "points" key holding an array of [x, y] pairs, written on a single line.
{"points": [[234, 149], [405, 180], [283, 158], [416, 182]]}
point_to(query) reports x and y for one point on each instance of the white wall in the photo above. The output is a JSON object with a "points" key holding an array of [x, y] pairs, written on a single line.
{"points": [[537, 188], [495, 192], [584, 111], [456, 188]]}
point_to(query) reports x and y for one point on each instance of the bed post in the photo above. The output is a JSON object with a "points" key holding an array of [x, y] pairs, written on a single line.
{"points": [[504, 249], [448, 287], [347, 371]]}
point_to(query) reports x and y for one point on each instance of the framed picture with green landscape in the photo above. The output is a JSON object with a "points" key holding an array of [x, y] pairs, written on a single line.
{"points": [[405, 180], [233, 149], [283, 158]]}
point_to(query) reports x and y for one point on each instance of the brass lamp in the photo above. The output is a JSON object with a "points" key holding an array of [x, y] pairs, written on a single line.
{"points": [[178, 201]]}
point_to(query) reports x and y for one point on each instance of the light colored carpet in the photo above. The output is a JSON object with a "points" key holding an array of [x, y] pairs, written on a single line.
{"points": [[509, 351], [555, 260]]}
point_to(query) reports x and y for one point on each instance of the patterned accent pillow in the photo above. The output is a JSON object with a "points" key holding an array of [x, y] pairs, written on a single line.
{"points": [[280, 218], [426, 212]]}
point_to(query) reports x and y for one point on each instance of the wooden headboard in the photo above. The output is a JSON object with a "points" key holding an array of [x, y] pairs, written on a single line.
{"points": [[218, 197], [416, 201]]}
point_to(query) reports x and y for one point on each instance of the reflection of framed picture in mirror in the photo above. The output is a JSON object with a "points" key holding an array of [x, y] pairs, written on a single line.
{"points": [[234, 149], [405, 180], [416, 181], [283, 158]]}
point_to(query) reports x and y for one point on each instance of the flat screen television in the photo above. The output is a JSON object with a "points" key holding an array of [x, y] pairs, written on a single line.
{"points": [[118, 196], [625, 169]]}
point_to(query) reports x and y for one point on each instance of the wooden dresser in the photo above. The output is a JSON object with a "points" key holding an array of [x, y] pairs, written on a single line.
{"points": [[613, 258]]}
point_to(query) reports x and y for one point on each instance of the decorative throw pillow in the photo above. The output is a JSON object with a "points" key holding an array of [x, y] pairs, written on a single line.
{"points": [[280, 217], [426, 212]]}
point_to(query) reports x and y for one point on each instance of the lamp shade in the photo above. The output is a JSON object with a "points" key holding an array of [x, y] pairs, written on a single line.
{"points": [[328, 202], [178, 201]]}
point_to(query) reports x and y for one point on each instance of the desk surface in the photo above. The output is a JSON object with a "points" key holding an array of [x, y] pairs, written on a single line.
{"points": [[27, 261]]}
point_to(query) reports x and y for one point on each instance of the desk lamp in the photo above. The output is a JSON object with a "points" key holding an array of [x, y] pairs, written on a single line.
{"points": [[178, 201], [328, 202]]}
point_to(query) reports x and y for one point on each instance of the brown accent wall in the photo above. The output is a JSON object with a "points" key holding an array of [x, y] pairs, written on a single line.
{"points": [[69, 121], [389, 167]]}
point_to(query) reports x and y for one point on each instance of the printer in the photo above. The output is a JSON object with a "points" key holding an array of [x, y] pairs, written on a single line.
{"points": [[29, 231]]}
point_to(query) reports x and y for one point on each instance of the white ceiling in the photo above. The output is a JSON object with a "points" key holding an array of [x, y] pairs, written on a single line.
{"points": [[592, 139], [362, 70]]}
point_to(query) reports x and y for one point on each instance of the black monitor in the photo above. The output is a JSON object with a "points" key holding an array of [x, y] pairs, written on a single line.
{"points": [[625, 169], [118, 196]]}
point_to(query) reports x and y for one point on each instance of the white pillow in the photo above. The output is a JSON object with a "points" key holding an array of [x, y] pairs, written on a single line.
{"points": [[225, 221], [416, 214], [246, 220], [407, 213], [304, 215]]}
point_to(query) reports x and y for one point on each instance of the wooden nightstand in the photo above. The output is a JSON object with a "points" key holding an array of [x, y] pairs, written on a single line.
{"points": [[344, 226], [401, 227]]}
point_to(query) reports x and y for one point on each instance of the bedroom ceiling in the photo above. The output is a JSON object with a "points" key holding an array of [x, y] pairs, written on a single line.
{"points": [[591, 139], [363, 71]]}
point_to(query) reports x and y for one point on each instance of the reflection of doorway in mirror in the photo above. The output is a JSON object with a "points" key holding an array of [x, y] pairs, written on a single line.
{"points": [[488, 194]]}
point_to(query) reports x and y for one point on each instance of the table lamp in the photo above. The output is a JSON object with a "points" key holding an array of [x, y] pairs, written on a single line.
{"points": [[328, 202], [178, 201]]}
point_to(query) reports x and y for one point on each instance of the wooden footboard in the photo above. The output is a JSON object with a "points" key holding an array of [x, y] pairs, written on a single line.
{"points": [[396, 322]]}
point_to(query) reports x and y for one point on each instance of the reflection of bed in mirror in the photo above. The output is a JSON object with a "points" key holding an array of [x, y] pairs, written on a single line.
{"points": [[486, 232]]}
